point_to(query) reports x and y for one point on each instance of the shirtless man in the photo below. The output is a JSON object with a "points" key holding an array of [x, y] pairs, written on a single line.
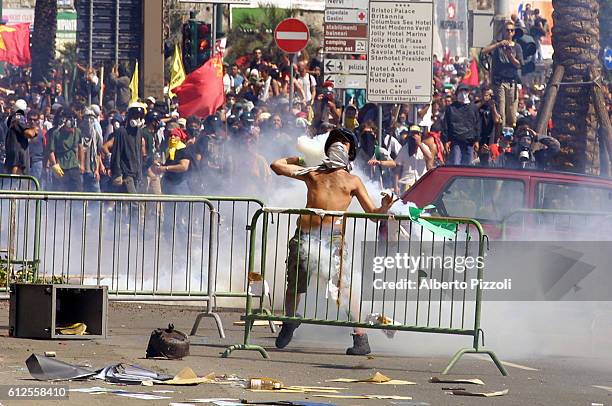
{"points": [[330, 187]]}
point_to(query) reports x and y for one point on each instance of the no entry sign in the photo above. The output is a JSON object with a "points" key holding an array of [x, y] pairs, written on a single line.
{"points": [[291, 35]]}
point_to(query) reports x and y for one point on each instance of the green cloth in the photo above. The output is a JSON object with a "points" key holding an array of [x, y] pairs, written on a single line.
{"points": [[448, 230], [65, 145]]}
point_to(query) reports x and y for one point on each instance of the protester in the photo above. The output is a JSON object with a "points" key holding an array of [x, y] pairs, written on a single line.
{"points": [[461, 128], [507, 61], [20, 132], [66, 154]]}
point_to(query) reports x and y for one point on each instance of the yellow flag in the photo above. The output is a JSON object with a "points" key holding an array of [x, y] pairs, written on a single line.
{"points": [[134, 84], [177, 72]]}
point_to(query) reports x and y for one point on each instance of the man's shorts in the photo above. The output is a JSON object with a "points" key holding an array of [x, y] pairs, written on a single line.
{"points": [[313, 253]]}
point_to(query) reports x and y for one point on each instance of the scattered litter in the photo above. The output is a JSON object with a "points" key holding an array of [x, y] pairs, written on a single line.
{"points": [[185, 377], [480, 394], [162, 391], [129, 374], [377, 318], [391, 397], [377, 378], [453, 388], [141, 396], [226, 403], [280, 390], [212, 400], [609, 389], [93, 390], [168, 343], [49, 369], [475, 381], [50, 354], [265, 384], [76, 329], [257, 323], [180, 404]]}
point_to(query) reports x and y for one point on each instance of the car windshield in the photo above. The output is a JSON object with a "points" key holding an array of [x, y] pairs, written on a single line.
{"points": [[485, 199]]}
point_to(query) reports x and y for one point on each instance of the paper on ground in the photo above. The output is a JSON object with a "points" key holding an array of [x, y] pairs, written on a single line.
{"points": [[609, 389], [212, 400], [377, 378], [474, 381], [185, 377], [93, 389], [142, 396], [390, 397], [480, 394]]}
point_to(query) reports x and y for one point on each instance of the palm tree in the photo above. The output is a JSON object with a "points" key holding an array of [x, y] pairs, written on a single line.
{"points": [[575, 37], [43, 39]]}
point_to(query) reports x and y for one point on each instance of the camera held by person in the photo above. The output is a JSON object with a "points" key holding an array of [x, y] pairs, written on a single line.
{"points": [[523, 148]]}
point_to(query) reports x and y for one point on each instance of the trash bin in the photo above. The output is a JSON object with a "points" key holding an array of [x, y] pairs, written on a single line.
{"points": [[38, 310]]}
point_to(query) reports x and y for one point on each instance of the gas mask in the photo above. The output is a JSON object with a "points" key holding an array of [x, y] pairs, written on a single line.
{"points": [[116, 125], [463, 97], [136, 122]]}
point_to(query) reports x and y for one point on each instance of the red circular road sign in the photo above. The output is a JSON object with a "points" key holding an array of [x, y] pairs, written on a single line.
{"points": [[291, 35]]}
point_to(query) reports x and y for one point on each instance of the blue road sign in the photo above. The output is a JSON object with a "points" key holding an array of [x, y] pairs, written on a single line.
{"points": [[608, 58]]}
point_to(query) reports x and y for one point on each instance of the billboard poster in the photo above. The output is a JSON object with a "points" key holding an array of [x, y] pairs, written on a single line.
{"points": [[451, 21]]}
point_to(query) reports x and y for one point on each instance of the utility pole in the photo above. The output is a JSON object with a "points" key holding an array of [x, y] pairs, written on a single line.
{"points": [[503, 9]]}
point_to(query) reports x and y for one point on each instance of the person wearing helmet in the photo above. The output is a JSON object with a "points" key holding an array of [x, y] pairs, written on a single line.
{"points": [[127, 148], [66, 154], [18, 137], [330, 187]]}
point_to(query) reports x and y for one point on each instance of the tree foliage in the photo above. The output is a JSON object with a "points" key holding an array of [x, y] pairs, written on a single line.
{"points": [[257, 31]]}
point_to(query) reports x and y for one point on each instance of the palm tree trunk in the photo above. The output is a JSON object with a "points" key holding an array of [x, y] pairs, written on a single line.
{"points": [[575, 37], [43, 39]]}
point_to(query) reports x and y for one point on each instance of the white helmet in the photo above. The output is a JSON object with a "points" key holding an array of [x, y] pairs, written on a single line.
{"points": [[21, 105]]}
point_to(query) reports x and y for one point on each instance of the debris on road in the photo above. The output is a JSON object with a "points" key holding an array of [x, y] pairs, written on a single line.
{"points": [[474, 381], [129, 374], [479, 394], [377, 378], [388, 397], [168, 343], [48, 369]]}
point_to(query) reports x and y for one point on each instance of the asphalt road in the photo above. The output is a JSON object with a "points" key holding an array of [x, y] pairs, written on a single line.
{"points": [[559, 380]]}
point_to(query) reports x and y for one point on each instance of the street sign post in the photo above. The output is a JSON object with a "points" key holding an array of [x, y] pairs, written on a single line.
{"points": [[347, 81], [358, 4], [345, 46], [348, 16], [345, 66], [400, 52], [335, 30], [291, 35], [243, 2], [608, 58]]}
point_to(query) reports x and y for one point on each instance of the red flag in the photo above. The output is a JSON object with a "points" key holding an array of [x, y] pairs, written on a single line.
{"points": [[471, 75], [201, 94], [15, 44]]}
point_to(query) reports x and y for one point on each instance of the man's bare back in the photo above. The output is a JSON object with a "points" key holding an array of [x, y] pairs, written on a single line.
{"points": [[331, 190]]}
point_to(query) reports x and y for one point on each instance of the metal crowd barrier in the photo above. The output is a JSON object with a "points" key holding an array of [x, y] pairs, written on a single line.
{"points": [[341, 287], [18, 182], [143, 247], [553, 225]]}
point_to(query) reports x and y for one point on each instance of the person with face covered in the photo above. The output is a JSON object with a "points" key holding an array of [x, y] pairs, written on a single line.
{"points": [[174, 170], [19, 134], [330, 187], [66, 154], [127, 148], [461, 127], [371, 155], [91, 142]]}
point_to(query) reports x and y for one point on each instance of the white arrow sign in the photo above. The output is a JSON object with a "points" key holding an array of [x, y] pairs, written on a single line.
{"points": [[347, 81], [348, 66]]}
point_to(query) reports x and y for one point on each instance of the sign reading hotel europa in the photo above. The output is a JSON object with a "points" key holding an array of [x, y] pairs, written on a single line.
{"points": [[400, 52]]}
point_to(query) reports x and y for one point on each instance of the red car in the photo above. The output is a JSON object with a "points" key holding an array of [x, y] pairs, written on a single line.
{"points": [[513, 202]]}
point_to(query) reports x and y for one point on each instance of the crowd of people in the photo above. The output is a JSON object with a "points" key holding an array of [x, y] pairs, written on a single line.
{"points": [[148, 147]]}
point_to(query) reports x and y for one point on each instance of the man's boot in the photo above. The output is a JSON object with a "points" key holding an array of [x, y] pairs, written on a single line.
{"points": [[286, 334], [361, 346]]}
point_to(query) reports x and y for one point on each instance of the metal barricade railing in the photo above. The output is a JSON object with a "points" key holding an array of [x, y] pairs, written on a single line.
{"points": [[18, 182], [553, 224], [325, 275], [143, 247]]}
